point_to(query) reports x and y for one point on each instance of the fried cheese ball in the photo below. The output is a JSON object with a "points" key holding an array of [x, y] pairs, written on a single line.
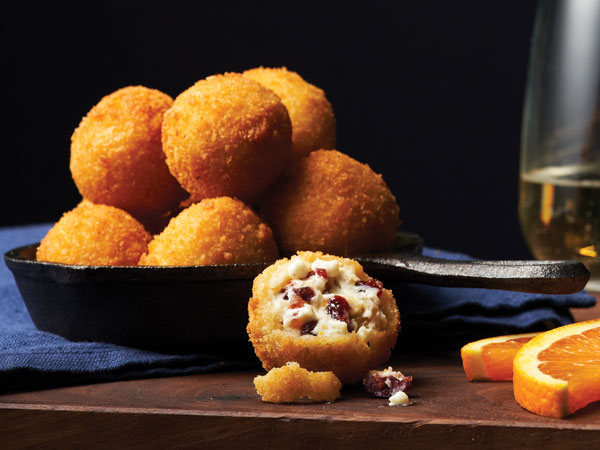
{"points": [[292, 382], [227, 135], [313, 122], [117, 157], [97, 235], [323, 312], [214, 231], [330, 202]]}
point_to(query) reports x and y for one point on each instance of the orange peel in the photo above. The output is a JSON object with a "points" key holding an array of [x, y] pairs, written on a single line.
{"points": [[491, 359], [558, 372]]}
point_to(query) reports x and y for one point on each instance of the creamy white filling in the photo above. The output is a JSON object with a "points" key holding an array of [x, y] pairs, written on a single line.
{"points": [[332, 267], [297, 268], [365, 315], [389, 372], [300, 316], [399, 399]]}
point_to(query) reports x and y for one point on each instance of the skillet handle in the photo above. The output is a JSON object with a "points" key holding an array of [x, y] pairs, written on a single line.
{"points": [[542, 277]]}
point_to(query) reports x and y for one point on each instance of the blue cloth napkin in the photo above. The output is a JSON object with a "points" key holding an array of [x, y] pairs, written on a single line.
{"points": [[32, 359], [433, 318]]}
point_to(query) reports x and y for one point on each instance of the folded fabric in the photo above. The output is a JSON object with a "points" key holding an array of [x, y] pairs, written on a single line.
{"points": [[433, 319], [33, 359]]}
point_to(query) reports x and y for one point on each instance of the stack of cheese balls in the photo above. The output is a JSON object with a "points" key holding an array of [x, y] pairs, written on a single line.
{"points": [[237, 169], [233, 170]]}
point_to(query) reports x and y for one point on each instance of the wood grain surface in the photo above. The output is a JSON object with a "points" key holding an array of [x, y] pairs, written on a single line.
{"points": [[223, 411]]}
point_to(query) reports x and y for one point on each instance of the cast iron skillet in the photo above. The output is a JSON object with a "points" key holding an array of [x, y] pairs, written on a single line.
{"points": [[203, 309]]}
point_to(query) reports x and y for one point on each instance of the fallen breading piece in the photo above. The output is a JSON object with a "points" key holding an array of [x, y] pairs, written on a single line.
{"points": [[292, 382]]}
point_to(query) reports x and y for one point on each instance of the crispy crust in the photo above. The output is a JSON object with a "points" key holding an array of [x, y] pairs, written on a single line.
{"points": [[313, 121], [215, 231], [117, 157], [227, 135], [332, 203], [349, 356], [95, 235], [292, 382]]}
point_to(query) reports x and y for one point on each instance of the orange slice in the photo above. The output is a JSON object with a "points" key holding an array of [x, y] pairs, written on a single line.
{"points": [[558, 372], [492, 359]]}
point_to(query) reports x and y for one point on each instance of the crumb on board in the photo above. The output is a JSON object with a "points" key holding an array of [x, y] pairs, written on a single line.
{"points": [[390, 384]]}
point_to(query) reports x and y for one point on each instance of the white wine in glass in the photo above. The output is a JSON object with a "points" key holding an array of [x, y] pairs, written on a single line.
{"points": [[559, 195], [559, 210]]}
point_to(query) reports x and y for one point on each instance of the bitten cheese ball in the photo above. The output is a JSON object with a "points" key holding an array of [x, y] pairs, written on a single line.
{"points": [[313, 121], [323, 312], [292, 382], [330, 202], [214, 231], [227, 135], [96, 235], [117, 157]]}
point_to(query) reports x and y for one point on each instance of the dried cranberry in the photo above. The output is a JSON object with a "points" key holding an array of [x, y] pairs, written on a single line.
{"points": [[308, 328], [306, 293], [338, 308], [372, 282], [309, 274], [322, 273], [385, 386]]}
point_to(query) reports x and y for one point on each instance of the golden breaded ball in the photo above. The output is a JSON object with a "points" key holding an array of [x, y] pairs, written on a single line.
{"points": [[227, 135], [313, 122], [330, 202], [214, 231], [292, 382], [325, 313], [117, 157], [96, 235]]}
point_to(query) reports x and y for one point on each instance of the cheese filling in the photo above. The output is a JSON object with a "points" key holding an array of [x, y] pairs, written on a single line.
{"points": [[399, 399], [328, 299]]}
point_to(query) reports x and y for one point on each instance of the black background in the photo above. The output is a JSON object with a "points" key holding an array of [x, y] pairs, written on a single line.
{"points": [[430, 94]]}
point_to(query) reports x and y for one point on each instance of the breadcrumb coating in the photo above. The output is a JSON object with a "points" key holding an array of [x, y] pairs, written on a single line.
{"points": [[214, 231], [227, 135], [330, 202], [292, 382], [117, 157], [349, 354], [313, 121], [97, 235]]}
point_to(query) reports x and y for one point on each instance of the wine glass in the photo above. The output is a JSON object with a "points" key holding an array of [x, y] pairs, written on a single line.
{"points": [[559, 194]]}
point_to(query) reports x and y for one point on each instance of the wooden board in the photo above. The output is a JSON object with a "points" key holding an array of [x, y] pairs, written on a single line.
{"points": [[224, 411]]}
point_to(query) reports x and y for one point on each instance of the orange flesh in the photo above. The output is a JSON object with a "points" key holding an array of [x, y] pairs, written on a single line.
{"points": [[575, 359], [498, 357]]}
